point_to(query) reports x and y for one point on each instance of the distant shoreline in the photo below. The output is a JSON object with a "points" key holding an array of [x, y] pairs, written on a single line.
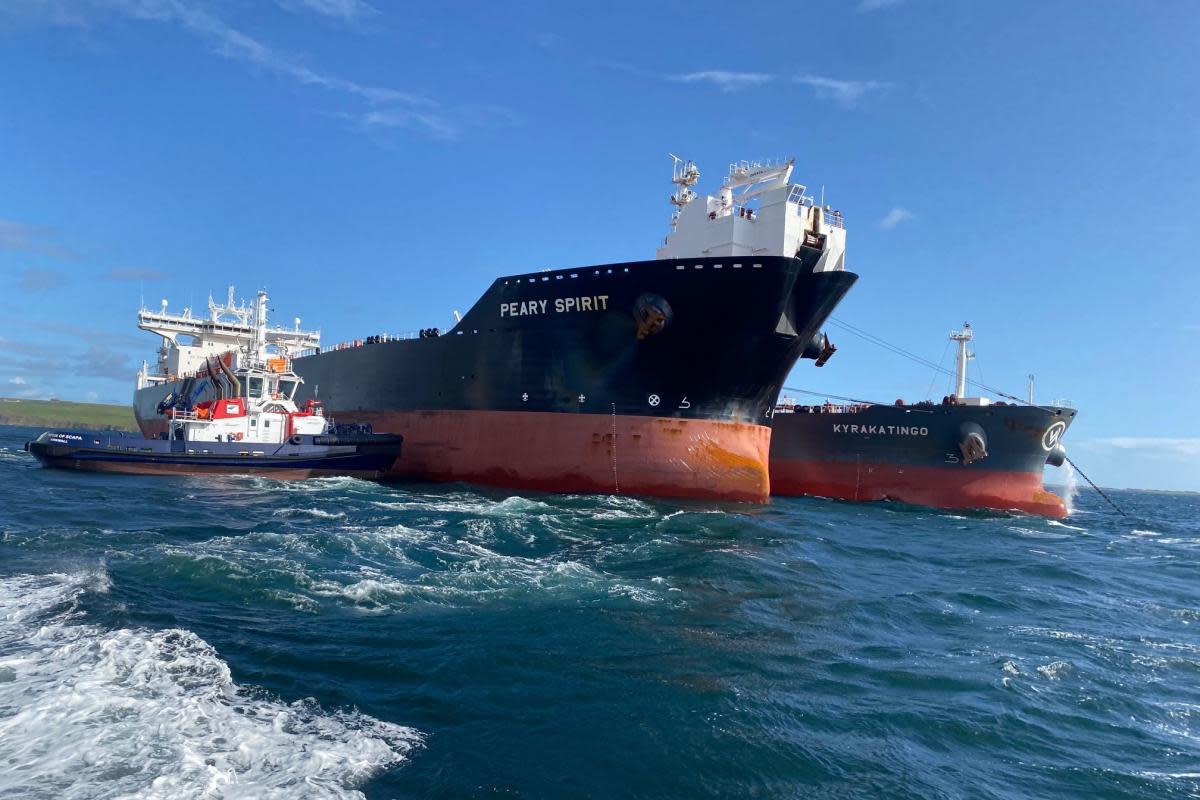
{"points": [[64, 414]]}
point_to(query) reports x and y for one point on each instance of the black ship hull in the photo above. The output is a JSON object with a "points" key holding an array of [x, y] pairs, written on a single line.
{"points": [[653, 378], [924, 455]]}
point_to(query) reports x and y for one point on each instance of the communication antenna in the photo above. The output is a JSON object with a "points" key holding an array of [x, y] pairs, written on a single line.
{"points": [[1031, 389], [960, 373], [684, 174]]}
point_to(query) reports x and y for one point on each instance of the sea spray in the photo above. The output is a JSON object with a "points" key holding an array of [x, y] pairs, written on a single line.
{"points": [[1071, 487]]}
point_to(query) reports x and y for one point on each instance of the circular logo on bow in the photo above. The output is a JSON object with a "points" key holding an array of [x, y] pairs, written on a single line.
{"points": [[1053, 434]]}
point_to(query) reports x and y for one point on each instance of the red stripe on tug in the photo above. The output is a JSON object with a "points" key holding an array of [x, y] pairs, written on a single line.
{"points": [[926, 486], [584, 453]]}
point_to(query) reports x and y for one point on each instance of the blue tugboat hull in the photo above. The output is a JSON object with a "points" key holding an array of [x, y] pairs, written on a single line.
{"points": [[369, 456]]}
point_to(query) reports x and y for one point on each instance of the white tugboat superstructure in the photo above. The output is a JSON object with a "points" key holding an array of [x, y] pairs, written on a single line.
{"points": [[238, 364]]}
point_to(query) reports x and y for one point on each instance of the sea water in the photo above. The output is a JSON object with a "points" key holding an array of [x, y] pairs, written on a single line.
{"points": [[229, 637]]}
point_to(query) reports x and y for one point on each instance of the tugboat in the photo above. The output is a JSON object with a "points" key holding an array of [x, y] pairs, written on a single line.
{"points": [[250, 425], [964, 453]]}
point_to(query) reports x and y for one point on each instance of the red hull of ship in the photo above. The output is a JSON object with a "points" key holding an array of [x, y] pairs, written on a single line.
{"points": [[927, 486], [583, 453], [576, 453]]}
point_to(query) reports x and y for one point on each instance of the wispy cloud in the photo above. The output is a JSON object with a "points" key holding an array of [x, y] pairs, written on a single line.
{"points": [[134, 274], [844, 92], [17, 380], [19, 237], [895, 217], [408, 119], [231, 43], [1182, 447], [341, 10], [441, 126], [36, 279], [102, 362], [725, 80], [875, 5], [420, 112]]}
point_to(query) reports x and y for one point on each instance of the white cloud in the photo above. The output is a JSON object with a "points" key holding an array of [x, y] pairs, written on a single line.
{"points": [[36, 279], [724, 80], [17, 381], [135, 274], [895, 217], [342, 10], [875, 5], [843, 92], [1183, 447], [20, 237], [418, 111], [235, 45]]}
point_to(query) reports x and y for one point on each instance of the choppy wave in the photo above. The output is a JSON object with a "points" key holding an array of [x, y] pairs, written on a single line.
{"points": [[87, 713], [585, 645]]}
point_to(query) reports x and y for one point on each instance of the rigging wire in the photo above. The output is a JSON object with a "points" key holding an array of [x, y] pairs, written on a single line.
{"points": [[1099, 491], [919, 359], [942, 360]]}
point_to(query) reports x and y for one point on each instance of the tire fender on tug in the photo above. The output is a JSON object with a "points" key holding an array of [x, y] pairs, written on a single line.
{"points": [[972, 442]]}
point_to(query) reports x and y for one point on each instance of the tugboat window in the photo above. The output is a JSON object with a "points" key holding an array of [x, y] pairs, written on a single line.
{"points": [[255, 387], [287, 388]]}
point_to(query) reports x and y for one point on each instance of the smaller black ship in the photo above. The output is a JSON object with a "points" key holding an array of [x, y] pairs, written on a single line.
{"points": [[962, 453]]}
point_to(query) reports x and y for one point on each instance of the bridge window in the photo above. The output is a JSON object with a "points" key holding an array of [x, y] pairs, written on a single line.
{"points": [[254, 386]]}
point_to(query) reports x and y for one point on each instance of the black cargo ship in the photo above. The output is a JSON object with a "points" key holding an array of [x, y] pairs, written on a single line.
{"points": [[651, 377], [654, 378], [961, 453]]}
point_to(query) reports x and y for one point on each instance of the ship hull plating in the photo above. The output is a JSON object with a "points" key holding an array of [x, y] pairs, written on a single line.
{"points": [[674, 364], [584, 453], [913, 455]]}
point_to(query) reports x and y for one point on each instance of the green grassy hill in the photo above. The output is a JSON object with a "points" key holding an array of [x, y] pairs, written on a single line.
{"points": [[62, 414]]}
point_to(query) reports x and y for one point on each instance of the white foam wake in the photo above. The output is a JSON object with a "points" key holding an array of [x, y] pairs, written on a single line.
{"points": [[90, 713]]}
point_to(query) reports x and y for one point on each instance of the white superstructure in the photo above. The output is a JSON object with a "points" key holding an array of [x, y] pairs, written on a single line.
{"points": [[963, 355], [757, 211], [187, 340]]}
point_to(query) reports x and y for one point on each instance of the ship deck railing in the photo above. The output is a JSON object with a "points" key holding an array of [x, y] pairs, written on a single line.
{"points": [[833, 219], [826, 408], [177, 415], [352, 343]]}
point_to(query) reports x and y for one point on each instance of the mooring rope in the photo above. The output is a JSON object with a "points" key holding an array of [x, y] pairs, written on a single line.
{"points": [[1097, 488]]}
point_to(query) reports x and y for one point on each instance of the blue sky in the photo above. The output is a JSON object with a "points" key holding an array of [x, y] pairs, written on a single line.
{"points": [[1033, 168]]}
